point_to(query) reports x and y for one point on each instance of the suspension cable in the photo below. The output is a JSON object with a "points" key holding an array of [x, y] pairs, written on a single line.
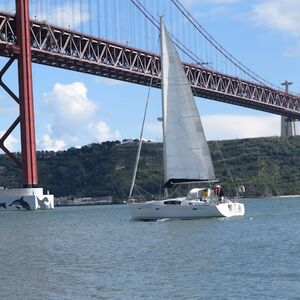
{"points": [[155, 22], [208, 37], [219, 47]]}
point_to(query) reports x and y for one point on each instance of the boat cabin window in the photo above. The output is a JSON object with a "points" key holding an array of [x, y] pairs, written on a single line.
{"points": [[174, 202]]}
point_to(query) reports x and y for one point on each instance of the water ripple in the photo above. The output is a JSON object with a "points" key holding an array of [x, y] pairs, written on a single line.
{"points": [[98, 253]]}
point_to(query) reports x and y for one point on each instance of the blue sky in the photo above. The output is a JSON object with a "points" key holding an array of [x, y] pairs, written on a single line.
{"points": [[74, 109]]}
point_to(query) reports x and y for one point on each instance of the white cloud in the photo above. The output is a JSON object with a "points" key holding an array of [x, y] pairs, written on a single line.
{"points": [[70, 106], [279, 15], [102, 132], [11, 143], [75, 121], [48, 143], [222, 127]]}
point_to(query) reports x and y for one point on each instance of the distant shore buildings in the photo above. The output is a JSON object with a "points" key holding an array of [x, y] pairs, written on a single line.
{"points": [[74, 201]]}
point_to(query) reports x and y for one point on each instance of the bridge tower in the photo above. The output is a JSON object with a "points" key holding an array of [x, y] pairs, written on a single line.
{"points": [[288, 125], [28, 146], [30, 196]]}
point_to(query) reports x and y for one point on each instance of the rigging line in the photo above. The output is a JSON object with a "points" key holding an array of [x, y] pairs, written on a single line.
{"points": [[175, 190], [146, 192], [230, 175], [220, 48], [180, 45], [140, 194], [141, 139]]}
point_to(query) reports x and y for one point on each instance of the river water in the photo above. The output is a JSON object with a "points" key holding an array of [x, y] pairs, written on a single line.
{"points": [[96, 252]]}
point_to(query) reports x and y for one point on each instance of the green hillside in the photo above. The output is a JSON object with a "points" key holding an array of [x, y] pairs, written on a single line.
{"points": [[265, 166]]}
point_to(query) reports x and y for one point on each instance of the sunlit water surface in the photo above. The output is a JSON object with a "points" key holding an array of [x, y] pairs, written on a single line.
{"points": [[96, 252]]}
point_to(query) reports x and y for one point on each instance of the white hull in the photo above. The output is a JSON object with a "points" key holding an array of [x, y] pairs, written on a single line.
{"points": [[155, 210]]}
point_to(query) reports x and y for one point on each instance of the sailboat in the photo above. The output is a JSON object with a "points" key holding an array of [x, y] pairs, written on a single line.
{"points": [[186, 153]]}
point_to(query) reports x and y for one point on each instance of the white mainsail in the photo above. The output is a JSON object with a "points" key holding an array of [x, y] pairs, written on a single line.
{"points": [[186, 154]]}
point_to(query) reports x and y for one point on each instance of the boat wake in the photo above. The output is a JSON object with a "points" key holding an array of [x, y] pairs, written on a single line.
{"points": [[164, 220]]}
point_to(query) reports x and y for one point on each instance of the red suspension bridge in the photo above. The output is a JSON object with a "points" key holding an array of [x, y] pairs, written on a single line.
{"points": [[32, 40]]}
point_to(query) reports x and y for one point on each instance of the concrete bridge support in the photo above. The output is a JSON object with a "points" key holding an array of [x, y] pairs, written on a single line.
{"points": [[288, 127]]}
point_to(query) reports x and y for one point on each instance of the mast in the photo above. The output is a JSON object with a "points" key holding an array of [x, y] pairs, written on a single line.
{"points": [[137, 159]]}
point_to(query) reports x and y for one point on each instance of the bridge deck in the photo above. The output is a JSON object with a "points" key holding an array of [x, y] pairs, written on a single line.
{"points": [[66, 49]]}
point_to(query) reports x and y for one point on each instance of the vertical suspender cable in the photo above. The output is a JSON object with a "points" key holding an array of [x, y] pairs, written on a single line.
{"points": [[81, 16], [113, 15], [61, 14], [105, 14], [98, 18], [73, 15], [42, 9], [90, 17]]}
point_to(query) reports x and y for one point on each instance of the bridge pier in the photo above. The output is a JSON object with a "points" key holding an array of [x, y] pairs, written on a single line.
{"points": [[288, 125], [30, 196]]}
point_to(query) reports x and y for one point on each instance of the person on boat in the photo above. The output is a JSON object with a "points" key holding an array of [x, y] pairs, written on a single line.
{"points": [[219, 193]]}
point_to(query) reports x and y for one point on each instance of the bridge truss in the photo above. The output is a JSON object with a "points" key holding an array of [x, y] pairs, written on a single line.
{"points": [[63, 48]]}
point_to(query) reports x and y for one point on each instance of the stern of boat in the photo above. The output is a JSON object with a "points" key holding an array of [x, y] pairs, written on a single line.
{"points": [[231, 209]]}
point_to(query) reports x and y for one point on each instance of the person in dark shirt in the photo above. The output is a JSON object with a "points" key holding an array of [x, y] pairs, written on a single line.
{"points": [[219, 192]]}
